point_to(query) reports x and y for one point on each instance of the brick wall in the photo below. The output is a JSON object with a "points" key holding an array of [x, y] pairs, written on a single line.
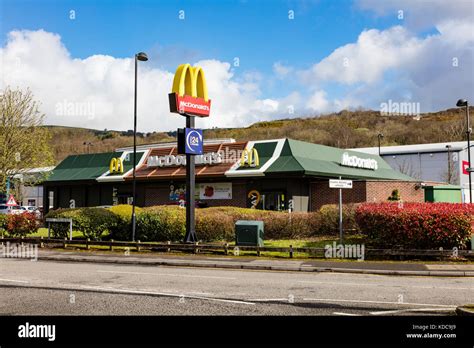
{"points": [[321, 194], [364, 191], [379, 191]]}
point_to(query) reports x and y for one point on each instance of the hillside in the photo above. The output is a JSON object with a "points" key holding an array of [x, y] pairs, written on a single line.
{"points": [[346, 129]]}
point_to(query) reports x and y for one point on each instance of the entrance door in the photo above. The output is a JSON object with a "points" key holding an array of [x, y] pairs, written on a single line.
{"points": [[274, 200]]}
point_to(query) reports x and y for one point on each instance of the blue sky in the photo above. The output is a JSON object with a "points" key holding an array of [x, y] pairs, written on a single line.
{"points": [[260, 35]]}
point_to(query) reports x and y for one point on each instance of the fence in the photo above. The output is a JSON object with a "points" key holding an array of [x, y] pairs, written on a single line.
{"points": [[226, 248]]}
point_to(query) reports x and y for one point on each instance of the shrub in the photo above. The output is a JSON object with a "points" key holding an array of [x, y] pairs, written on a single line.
{"points": [[162, 223], [416, 225], [329, 218], [92, 222], [123, 229], [20, 225], [61, 229], [3, 223]]}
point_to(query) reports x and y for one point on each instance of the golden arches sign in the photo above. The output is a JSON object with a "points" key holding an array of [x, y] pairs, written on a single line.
{"points": [[250, 158], [189, 92], [190, 81], [116, 166]]}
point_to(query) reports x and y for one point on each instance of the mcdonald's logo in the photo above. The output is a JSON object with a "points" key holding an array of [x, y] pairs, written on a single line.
{"points": [[189, 92], [249, 158], [116, 166]]}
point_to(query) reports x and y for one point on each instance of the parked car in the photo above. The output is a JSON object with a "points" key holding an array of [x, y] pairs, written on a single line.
{"points": [[4, 209], [32, 209], [15, 209]]}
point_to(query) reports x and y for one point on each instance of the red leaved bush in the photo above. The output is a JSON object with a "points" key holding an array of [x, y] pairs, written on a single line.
{"points": [[416, 225], [21, 224]]}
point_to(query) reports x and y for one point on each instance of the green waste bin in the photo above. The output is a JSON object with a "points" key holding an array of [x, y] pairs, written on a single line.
{"points": [[249, 232]]}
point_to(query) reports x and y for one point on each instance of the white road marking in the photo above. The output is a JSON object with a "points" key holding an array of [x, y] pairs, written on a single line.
{"points": [[268, 299], [385, 285], [146, 292], [14, 280], [378, 302], [347, 314], [414, 310], [168, 274]]}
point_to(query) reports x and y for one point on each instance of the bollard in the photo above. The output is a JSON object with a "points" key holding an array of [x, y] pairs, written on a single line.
{"points": [[226, 248], [111, 245], [291, 251], [64, 243], [258, 251], [138, 245], [196, 250], [169, 249], [87, 243], [41, 242]]}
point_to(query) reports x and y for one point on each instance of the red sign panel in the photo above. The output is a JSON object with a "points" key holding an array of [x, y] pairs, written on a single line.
{"points": [[465, 165], [189, 105]]}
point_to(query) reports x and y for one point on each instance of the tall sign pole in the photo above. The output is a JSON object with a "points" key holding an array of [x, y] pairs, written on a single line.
{"points": [[190, 188], [189, 98]]}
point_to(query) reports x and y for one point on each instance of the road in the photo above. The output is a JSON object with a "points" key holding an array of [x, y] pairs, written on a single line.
{"points": [[66, 288]]}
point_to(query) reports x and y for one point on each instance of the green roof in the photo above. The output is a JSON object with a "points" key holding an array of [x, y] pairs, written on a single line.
{"points": [[318, 160], [83, 167]]}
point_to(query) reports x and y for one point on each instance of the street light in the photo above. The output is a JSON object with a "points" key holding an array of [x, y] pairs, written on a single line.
{"points": [[461, 103], [141, 56], [449, 163], [379, 136], [87, 145]]}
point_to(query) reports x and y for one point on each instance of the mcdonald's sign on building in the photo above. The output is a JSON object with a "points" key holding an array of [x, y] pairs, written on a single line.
{"points": [[189, 92]]}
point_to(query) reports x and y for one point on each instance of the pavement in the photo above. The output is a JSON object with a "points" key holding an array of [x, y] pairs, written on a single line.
{"points": [[396, 268]]}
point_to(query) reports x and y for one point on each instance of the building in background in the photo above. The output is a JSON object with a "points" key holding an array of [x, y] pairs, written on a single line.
{"points": [[440, 162], [277, 174], [27, 186]]}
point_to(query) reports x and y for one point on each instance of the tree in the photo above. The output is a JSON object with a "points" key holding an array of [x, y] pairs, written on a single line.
{"points": [[24, 143]]}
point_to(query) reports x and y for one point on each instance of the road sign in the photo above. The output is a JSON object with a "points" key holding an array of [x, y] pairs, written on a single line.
{"points": [[194, 141], [11, 201], [341, 184]]}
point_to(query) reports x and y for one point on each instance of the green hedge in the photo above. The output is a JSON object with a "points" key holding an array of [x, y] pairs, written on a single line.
{"points": [[122, 230], [168, 223], [92, 222], [329, 218]]}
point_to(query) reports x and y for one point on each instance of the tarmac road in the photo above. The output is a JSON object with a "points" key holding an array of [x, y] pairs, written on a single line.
{"points": [[68, 288]]}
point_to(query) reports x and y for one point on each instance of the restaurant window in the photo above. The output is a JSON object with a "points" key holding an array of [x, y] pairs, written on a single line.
{"points": [[51, 199], [274, 200]]}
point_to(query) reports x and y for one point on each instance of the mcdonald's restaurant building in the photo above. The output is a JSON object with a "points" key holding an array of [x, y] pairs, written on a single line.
{"points": [[278, 174]]}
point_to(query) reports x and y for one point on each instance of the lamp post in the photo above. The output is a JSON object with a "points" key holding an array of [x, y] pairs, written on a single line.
{"points": [[379, 136], [141, 56], [461, 103], [88, 146], [449, 163]]}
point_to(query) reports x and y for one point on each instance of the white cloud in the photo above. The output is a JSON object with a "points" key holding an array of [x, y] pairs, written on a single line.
{"points": [[281, 70], [366, 60], [97, 92], [421, 14], [318, 102]]}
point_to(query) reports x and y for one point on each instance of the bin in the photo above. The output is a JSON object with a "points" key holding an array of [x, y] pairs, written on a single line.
{"points": [[248, 232]]}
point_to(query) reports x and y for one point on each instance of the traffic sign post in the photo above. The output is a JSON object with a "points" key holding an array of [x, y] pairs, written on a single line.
{"points": [[11, 201], [340, 184]]}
